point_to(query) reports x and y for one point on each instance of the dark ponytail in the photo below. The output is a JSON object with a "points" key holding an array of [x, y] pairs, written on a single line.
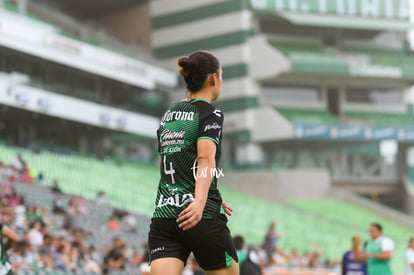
{"points": [[196, 67]]}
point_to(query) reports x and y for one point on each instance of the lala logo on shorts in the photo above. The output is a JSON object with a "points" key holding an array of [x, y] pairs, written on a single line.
{"points": [[177, 200]]}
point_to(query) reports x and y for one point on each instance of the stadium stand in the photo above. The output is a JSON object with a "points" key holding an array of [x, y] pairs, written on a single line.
{"points": [[303, 115], [381, 119], [306, 225]]}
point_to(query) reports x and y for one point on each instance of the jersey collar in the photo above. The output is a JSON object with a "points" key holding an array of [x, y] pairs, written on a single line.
{"points": [[199, 99]]}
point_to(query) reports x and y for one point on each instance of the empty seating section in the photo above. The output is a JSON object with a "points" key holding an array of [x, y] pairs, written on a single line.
{"points": [[308, 116], [320, 116], [295, 44], [326, 225], [383, 56]]}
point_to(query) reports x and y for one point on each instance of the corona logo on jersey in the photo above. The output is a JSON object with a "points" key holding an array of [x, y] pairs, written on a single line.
{"points": [[176, 115]]}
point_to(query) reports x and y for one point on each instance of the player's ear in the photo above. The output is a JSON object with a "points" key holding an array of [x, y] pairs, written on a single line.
{"points": [[213, 79]]}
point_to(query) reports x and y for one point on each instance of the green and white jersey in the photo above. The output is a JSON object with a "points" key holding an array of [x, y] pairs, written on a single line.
{"points": [[181, 126], [379, 245]]}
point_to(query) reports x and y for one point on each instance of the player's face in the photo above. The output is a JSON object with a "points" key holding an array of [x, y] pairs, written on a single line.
{"points": [[374, 232], [411, 244]]}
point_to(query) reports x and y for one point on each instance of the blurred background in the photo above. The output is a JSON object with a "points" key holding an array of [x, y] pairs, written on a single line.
{"points": [[319, 125]]}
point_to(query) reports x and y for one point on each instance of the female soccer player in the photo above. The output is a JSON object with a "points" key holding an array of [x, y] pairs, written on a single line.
{"points": [[190, 215]]}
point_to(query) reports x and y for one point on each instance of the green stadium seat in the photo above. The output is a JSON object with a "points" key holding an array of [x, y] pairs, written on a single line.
{"points": [[382, 119], [312, 116]]}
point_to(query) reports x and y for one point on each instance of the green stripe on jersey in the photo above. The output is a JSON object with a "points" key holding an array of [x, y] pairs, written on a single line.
{"points": [[210, 43], [212, 139], [228, 259], [196, 14]]}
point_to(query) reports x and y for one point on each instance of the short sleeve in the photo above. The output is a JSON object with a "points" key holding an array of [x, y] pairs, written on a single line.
{"points": [[211, 126], [387, 244], [410, 256]]}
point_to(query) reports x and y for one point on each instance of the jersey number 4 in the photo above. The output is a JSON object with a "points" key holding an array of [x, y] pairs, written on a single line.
{"points": [[171, 170]]}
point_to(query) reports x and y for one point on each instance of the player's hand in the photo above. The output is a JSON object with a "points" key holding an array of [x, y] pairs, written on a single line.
{"points": [[189, 217], [228, 210]]}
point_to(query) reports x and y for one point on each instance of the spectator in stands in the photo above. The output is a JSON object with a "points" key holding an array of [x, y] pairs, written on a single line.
{"points": [[195, 267], [26, 177], [20, 215], [378, 252], [19, 164], [270, 242], [115, 258], [314, 260], [295, 260], [8, 174], [48, 246], [35, 235], [409, 258], [3, 173], [91, 261], [242, 252], [40, 178], [61, 257], [58, 206], [55, 189], [13, 198], [33, 213], [46, 252], [253, 264], [144, 265], [129, 222], [74, 255], [350, 265], [6, 210], [113, 223], [77, 206], [18, 256], [101, 197]]}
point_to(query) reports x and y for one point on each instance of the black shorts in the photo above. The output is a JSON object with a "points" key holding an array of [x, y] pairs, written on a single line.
{"points": [[210, 241]]}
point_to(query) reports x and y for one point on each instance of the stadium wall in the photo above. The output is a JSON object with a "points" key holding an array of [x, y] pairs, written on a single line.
{"points": [[280, 185], [130, 24]]}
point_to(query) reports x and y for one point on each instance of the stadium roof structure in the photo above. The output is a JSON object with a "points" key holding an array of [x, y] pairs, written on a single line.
{"points": [[45, 41], [368, 15], [95, 6], [354, 57], [39, 39], [346, 22]]}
